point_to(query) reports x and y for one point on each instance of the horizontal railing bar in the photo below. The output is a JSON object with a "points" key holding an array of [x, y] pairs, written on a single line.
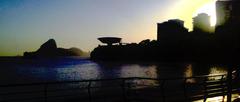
{"points": [[210, 82], [75, 81], [69, 95], [214, 87], [56, 90], [40, 91], [215, 90], [17, 93], [21, 99], [96, 80], [216, 82], [49, 96]]}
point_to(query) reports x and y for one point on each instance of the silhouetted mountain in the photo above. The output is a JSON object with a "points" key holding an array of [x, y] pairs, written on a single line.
{"points": [[49, 49], [70, 52], [49, 45]]}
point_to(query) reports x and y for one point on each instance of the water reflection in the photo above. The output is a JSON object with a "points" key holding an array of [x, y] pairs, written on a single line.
{"points": [[217, 70], [139, 71], [78, 72], [82, 69], [204, 69], [189, 73]]}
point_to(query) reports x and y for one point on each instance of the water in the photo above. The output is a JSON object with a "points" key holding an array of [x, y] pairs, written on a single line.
{"points": [[20, 70]]}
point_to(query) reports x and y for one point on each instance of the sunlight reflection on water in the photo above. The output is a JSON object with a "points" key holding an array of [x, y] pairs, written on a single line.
{"points": [[79, 72], [140, 71], [217, 70], [189, 73]]}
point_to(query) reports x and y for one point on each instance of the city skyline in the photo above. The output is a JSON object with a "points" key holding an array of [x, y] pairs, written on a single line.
{"points": [[27, 24]]}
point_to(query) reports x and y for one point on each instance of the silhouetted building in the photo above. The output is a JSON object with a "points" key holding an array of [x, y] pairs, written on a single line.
{"points": [[171, 31], [223, 9], [201, 23], [228, 22], [110, 40], [227, 11]]}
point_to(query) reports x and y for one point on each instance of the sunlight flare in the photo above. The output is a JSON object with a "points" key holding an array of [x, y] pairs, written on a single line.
{"points": [[210, 9]]}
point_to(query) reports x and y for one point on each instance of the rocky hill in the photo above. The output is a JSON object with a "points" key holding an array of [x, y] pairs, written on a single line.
{"points": [[50, 49]]}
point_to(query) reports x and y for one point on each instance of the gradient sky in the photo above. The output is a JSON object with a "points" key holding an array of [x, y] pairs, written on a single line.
{"points": [[26, 24]]}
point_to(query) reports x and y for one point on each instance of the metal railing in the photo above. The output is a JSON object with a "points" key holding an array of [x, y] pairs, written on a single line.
{"points": [[120, 90]]}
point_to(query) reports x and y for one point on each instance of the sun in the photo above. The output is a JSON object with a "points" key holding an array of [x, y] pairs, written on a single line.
{"points": [[210, 9]]}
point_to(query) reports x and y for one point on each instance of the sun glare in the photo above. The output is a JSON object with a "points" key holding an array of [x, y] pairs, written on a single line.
{"points": [[210, 9]]}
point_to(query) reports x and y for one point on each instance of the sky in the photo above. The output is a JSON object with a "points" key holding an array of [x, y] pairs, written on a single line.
{"points": [[26, 24]]}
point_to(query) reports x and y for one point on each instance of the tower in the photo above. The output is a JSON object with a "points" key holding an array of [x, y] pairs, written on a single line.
{"points": [[171, 31], [223, 11], [201, 23], [227, 11]]}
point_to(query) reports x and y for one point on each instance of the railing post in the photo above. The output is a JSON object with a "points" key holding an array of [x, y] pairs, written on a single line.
{"points": [[205, 89], [229, 84], [185, 90], [124, 90], [162, 90], [45, 92], [89, 91], [223, 87]]}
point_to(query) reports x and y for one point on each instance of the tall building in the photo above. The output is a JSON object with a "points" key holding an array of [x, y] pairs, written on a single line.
{"points": [[223, 10], [235, 14], [227, 11], [201, 23], [228, 22], [171, 31]]}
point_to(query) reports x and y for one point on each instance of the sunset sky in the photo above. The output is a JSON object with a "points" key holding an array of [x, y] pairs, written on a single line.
{"points": [[26, 24]]}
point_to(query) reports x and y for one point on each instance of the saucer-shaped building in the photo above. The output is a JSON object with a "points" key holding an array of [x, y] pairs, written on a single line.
{"points": [[110, 40]]}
